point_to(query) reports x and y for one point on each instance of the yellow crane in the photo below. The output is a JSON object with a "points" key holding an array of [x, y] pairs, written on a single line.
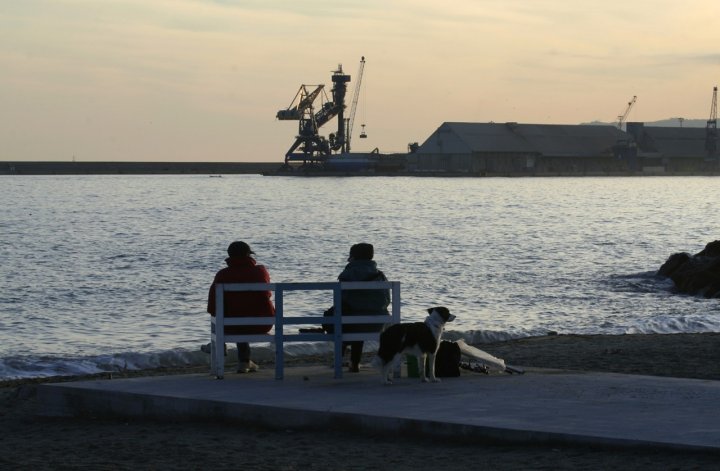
{"points": [[623, 117]]}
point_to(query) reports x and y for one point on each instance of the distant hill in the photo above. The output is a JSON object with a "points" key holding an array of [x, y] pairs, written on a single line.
{"points": [[664, 123]]}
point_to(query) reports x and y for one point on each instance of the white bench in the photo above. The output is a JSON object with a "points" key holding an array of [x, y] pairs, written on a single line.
{"points": [[280, 337]]}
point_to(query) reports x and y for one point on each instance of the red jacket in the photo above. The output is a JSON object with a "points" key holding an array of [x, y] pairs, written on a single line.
{"points": [[243, 303]]}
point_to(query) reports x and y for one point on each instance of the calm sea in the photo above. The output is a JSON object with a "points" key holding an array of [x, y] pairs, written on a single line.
{"points": [[107, 272]]}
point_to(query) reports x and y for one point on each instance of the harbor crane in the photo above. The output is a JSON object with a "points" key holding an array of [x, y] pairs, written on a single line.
{"points": [[711, 134], [314, 148], [623, 117]]}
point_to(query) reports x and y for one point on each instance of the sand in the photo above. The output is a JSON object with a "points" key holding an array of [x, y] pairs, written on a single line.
{"points": [[31, 442]]}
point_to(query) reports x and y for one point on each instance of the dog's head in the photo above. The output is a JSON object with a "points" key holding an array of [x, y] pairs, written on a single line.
{"points": [[442, 312]]}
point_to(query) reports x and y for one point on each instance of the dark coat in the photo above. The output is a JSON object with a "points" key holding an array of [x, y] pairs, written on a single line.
{"points": [[365, 302]]}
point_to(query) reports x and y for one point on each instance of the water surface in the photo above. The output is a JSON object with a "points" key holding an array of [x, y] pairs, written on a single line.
{"points": [[101, 271]]}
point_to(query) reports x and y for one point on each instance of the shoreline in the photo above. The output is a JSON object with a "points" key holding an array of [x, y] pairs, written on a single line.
{"points": [[645, 354], [33, 442], [217, 169]]}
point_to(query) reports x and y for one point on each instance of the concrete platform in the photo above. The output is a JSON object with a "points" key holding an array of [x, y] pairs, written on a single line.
{"points": [[541, 406]]}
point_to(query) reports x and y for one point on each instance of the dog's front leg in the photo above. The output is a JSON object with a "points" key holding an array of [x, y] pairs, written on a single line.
{"points": [[421, 358], [388, 369], [431, 360], [387, 375], [422, 367]]}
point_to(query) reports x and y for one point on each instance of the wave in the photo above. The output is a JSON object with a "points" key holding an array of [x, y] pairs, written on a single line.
{"points": [[28, 366]]}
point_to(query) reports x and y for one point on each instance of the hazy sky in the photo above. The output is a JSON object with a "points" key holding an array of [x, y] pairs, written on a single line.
{"points": [[202, 80]]}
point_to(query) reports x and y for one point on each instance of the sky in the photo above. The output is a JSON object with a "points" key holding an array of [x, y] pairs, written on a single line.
{"points": [[202, 80]]}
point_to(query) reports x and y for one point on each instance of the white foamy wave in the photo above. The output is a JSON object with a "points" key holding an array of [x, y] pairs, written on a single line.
{"points": [[26, 367], [21, 367], [475, 337], [676, 325]]}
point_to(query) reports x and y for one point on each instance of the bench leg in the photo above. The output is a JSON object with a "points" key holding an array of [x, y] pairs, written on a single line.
{"points": [[217, 360]]}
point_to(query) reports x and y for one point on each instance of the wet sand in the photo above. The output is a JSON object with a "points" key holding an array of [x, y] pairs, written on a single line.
{"points": [[31, 442]]}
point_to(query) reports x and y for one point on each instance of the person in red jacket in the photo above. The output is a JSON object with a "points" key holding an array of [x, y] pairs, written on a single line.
{"points": [[242, 268]]}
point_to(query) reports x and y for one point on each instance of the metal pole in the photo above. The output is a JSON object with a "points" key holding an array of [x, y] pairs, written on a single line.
{"points": [[217, 348], [279, 332]]}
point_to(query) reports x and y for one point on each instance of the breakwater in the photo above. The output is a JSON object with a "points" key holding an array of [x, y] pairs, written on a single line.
{"points": [[275, 169], [133, 168]]}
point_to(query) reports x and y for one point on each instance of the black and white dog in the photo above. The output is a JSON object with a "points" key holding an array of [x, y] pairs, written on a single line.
{"points": [[420, 339]]}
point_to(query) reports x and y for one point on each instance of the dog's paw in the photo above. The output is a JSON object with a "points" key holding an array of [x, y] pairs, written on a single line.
{"points": [[435, 380]]}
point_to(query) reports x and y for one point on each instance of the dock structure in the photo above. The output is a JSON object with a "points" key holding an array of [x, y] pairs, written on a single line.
{"points": [[132, 168], [538, 407]]}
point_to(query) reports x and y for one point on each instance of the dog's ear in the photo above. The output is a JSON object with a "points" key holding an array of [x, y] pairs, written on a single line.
{"points": [[430, 310]]}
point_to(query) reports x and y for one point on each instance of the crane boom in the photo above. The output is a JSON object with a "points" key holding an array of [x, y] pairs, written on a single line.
{"points": [[305, 101], [353, 107], [711, 135], [623, 117], [713, 108]]}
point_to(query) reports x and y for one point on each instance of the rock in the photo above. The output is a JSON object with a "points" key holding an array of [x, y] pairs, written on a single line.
{"points": [[711, 250], [696, 274], [675, 261]]}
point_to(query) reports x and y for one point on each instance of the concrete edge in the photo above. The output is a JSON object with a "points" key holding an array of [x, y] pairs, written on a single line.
{"points": [[58, 400]]}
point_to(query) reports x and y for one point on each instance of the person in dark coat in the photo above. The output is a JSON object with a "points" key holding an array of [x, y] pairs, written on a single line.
{"points": [[242, 268], [366, 302]]}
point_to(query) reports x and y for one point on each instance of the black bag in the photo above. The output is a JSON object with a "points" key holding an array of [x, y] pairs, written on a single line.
{"points": [[447, 360], [329, 328]]}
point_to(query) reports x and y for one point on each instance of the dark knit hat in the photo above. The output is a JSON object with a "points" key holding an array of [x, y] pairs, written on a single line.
{"points": [[362, 251], [239, 249]]}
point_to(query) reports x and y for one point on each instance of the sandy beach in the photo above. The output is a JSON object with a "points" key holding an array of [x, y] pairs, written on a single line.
{"points": [[31, 442]]}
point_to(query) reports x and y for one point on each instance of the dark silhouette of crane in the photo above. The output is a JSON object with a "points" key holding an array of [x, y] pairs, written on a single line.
{"points": [[313, 147], [353, 107], [711, 134]]}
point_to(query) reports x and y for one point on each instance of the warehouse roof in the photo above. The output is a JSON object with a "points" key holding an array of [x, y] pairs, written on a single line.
{"points": [[542, 139]]}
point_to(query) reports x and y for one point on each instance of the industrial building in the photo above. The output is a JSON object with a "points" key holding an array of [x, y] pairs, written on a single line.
{"points": [[516, 149], [550, 149], [670, 150]]}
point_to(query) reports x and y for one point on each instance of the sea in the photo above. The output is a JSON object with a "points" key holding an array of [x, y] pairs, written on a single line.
{"points": [[111, 273]]}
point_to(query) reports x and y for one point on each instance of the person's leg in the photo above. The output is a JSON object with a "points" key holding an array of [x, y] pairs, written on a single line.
{"points": [[245, 364], [355, 356], [243, 352]]}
